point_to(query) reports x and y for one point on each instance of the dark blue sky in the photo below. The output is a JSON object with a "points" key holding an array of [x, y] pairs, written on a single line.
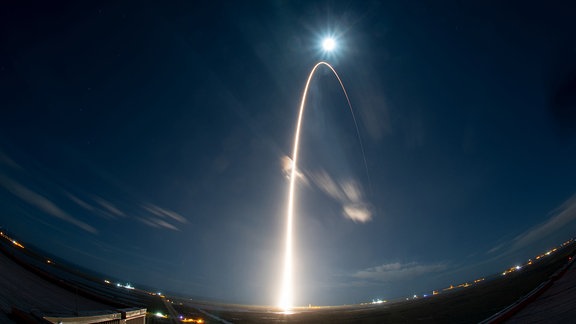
{"points": [[145, 141]]}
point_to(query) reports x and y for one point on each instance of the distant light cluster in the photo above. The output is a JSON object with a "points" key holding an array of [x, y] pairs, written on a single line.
{"points": [[512, 269], [538, 257], [11, 240]]}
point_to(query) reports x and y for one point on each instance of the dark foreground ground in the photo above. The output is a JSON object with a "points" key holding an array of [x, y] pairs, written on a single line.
{"points": [[33, 286], [556, 304], [28, 283]]}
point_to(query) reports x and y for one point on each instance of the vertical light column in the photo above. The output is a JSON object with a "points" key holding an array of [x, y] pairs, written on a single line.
{"points": [[287, 289]]}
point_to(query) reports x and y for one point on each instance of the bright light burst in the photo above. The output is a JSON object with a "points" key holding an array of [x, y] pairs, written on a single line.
{"points": [[328, 44]]}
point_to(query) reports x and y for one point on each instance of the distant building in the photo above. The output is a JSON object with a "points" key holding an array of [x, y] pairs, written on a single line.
{"points": [[121, 316], [32, 293]]}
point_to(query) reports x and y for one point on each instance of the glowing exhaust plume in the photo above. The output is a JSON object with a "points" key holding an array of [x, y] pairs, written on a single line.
{"points": [[287, 294]]}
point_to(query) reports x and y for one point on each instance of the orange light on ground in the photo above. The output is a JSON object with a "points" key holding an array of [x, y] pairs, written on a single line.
{"points": [[17, 244]]}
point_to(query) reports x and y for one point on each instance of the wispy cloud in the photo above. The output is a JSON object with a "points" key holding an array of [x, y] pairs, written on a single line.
{"points": [[158, 223], [109, 207], [148, 222], [163, 212], [159, 217], [94, 204], [42, 203], [348, 193], [399, 271], [4, 159], [151, 215], [166, 225], [97, 206], [286, 164], [357, 212], [561, 217], [496, 248], [80, 202]]}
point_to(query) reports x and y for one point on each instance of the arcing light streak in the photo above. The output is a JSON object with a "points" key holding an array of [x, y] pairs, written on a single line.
{"points": [[286, 298]]}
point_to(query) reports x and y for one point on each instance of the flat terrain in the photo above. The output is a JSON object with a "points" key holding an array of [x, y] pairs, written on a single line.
{"points": [[465, 305], [56, 289], [557, 303], [25, 290], [34, 286]]}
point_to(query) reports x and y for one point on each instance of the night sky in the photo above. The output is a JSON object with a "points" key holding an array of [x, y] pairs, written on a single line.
{"points": [[148, 141]]}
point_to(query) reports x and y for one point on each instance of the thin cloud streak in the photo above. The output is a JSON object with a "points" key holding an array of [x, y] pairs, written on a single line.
{"points": [[159, 217], [109, 207], [158, 223], [398, 271], [562, 216], [43, 203], [163, 212], [80, 202], [286, 165], [495, 249], [348, 193], [4, 159], [166, 225]]}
